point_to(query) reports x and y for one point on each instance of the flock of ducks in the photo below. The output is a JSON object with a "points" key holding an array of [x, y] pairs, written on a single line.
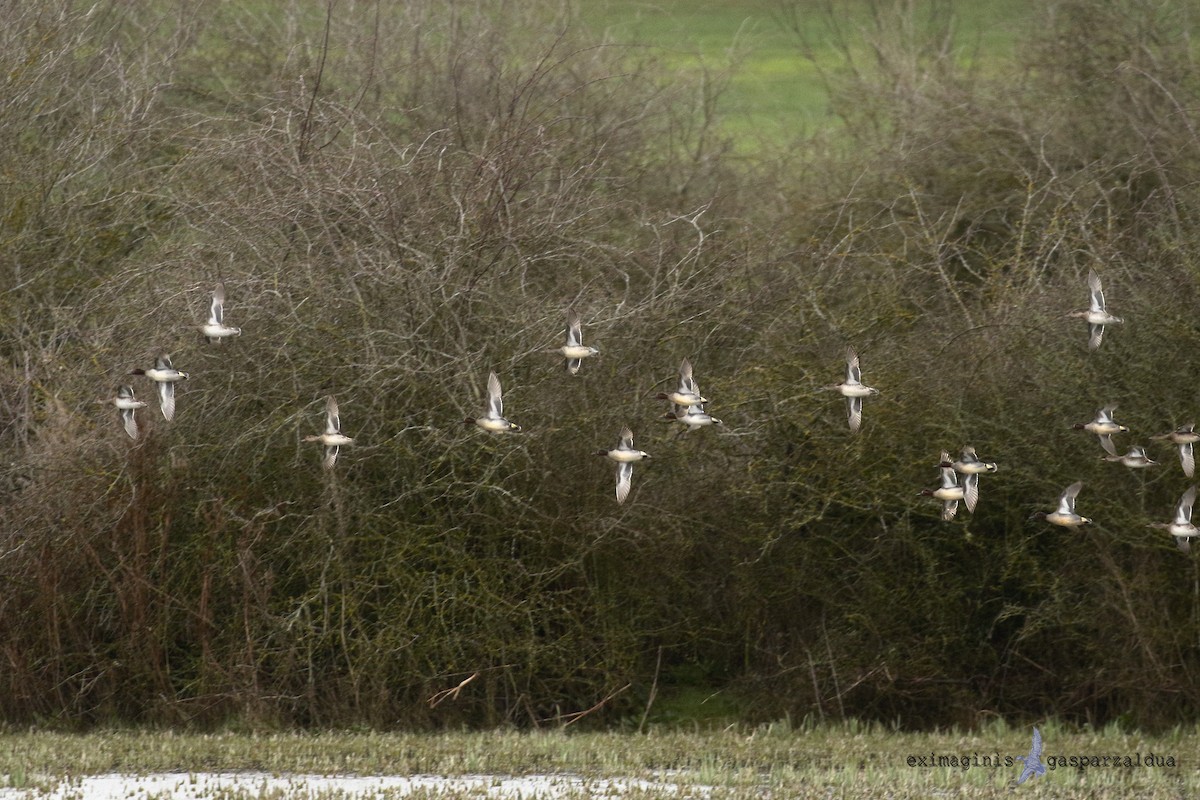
{"points": [[1104, 427], [688, 407], [687, 404], [164, 375]]}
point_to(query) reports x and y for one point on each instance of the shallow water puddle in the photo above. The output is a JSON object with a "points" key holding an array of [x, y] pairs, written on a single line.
{"points": [[195, 786]]}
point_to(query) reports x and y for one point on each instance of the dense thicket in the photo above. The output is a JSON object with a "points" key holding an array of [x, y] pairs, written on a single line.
{"points": [[400, 199]]}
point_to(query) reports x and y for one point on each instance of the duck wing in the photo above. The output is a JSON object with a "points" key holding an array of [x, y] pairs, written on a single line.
{"points": [[130, 422], [853, 372], [331, 454], [495, 400], [854, 407], [1066, 502], [574, 329], [1095, 292], [624, 481], [216, 312], [1183, 512], [625, 441], [333, 420], [166, 399], [971, 492]]}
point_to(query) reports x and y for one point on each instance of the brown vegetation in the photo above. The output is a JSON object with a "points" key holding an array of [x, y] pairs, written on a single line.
{"points": [[401, 199]]}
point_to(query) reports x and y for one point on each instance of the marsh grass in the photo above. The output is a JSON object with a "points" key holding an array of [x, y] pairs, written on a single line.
{"points": [[851, 760]]}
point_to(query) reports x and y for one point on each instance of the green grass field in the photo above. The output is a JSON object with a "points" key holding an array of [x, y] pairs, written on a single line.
{"points": [[776, 91], [846, 761]]}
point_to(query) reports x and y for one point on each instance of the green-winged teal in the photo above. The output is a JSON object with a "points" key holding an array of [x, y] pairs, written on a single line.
{"points": [[970, 463], [688, 392], [950, 492], [1136, 458], [970, 466], [693, 416]]}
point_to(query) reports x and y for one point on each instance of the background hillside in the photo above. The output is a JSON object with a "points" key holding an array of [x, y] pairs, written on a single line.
{"points": [[402, 199]]}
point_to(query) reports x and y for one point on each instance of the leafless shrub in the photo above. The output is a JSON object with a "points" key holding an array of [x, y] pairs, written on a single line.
{"points": [[398, 201], [402, 199]]}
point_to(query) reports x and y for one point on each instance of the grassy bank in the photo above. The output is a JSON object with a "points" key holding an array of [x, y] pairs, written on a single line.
{"points": [[848, 760], [772, 60]]}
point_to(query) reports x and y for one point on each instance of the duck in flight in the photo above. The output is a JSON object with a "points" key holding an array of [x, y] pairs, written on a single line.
{"points": [[1097, 315], [127, 405], [1181, 526], [688, 392], [574, 350], [692, 417], [493, 419], [970, 463], [1104, 427], [332, 438], [1136, 458], [1065, 515], [970, 466], [215, 330], [625, 454], [1185, 436], [853, 389], [165, 376], [950, 492]]}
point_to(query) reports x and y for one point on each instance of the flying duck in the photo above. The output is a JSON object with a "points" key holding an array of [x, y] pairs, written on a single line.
{"points": [[574, 350], [1104, 427], [215, 330], [1096, 315], [625, 454], [1185, 436], [1181, 526], [1065, 514], [332, 438], [493, 420], [127, 405], [165, 375], [853, 389]]}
